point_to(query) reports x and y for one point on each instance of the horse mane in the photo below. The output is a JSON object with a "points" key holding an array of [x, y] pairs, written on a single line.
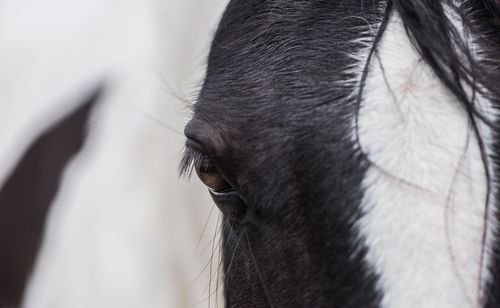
{"points": [[429, 24]]}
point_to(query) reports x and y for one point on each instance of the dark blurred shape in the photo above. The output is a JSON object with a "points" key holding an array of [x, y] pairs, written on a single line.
{"points": [[28, 193]]}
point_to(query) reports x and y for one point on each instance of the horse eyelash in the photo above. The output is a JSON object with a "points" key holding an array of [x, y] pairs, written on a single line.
{"points": [[191, 159]]}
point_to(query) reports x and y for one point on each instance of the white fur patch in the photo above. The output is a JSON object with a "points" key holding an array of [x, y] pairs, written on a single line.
{"points": [[425, 192]]}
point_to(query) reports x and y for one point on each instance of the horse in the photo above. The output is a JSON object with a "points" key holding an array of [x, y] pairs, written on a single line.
{"points": [[352, 147]]}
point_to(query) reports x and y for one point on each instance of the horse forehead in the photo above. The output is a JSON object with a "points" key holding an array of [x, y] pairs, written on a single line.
{"points": [[276, 72], [279, 64], [269, 32]]}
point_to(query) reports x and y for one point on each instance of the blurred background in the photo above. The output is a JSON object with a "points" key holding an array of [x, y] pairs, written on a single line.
{"points": [[119, 228]]}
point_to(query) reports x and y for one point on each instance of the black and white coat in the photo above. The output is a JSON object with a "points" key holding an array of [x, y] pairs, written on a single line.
{"points": [[356, 142]]}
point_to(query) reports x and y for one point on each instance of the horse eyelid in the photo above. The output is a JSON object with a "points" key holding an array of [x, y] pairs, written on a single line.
{"points": [[231, 192]]}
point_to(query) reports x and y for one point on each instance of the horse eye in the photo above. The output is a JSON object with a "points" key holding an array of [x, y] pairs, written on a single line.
{"points": [[212, 178]]}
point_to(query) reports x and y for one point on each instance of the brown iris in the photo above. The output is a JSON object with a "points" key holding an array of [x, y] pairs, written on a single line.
{"points": [[211, 177]]}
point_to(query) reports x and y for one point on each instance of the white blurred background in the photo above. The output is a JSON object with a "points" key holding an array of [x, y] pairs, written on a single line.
{"points": [[123, 229]]}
